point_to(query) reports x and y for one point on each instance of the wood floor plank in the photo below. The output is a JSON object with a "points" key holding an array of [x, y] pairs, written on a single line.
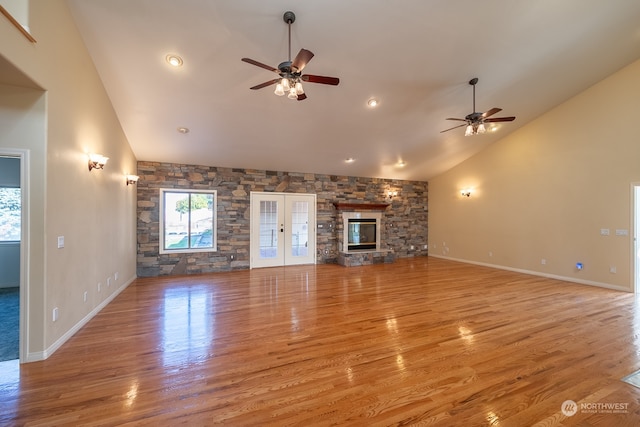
{"points": [[422, 341]]}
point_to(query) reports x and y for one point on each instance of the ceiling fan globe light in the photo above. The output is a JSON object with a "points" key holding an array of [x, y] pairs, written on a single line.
{"points": [[293, 94], [481, 128], [279, 90], [299, 89], [285, 84], [468, 131]]}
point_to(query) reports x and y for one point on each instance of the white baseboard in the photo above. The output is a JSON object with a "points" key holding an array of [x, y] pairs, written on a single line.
{"points": [[538, 273], [42, 355]]}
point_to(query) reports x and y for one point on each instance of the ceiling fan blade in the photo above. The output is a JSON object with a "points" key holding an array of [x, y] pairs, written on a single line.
{"points": [[302, 97], [320, 79], [491, 112], [301, 59], [500, 119], [265, 84], [453, 118], [455, 127], [261, 65]]}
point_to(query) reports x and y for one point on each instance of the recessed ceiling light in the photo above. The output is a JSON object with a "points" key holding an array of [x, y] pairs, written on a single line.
{"points": [[373, 102], [401, 163], [174, 60], [183, 130], [349, 160]]}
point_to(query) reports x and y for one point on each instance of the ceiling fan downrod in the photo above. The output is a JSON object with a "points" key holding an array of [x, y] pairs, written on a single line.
{"points": [[289, 17], [473, 83]]}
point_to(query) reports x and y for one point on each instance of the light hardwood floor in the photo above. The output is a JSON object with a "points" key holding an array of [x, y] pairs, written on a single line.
{"points": [[422, 341]]}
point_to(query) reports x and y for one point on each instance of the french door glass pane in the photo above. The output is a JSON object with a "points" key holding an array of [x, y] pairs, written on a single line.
{"points": [[300, 229], [268, 229]]}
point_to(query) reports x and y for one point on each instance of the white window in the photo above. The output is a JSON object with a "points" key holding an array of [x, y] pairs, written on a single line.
{"points": [[10, 211], [187, 221]]}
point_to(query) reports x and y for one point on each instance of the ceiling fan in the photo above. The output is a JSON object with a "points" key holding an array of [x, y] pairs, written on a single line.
{"points": [[475, 121], [290, 72]]}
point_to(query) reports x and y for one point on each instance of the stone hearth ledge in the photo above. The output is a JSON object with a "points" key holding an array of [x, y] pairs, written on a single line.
{"points": [[358, 258]]}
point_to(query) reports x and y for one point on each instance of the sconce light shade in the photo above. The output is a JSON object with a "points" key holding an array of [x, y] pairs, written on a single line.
{"points": [[97, 161], [466, 192], [132, 179]]}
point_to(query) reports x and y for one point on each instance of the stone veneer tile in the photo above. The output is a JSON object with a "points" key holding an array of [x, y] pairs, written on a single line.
{"points": [[404, 222]]}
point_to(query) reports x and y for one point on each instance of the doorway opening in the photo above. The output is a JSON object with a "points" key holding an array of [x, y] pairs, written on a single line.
{"points": [[12, 246]]}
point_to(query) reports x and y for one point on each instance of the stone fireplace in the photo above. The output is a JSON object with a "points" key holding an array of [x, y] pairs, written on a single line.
{"points": [[360, 235]]}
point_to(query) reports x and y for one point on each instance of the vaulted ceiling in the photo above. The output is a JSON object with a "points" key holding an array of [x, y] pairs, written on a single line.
{"points": [[415, 57]]}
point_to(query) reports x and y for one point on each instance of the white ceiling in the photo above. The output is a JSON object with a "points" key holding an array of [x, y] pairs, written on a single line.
{"points": [[415, 56]]}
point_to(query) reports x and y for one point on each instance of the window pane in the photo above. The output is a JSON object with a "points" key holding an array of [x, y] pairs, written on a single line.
{"points": [[10, 209], [201, 220], [176, 220], [188, 220]]}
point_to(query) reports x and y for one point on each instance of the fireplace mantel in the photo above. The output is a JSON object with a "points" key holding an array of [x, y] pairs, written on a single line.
{"points": [[361, 206]]}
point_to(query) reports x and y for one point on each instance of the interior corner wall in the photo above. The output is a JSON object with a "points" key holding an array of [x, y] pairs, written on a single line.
{"points": [[22, 127], [543, 195], [94, 211]]}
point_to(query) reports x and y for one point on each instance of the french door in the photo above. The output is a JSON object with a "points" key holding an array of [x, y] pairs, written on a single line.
{"points": [[282, 229]]}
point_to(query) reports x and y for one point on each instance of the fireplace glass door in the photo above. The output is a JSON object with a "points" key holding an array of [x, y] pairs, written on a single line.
{"points": [[361, 233]]}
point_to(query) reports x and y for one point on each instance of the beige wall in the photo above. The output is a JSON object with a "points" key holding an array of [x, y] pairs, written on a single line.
{"points": [[94, 211], [546, 191]]}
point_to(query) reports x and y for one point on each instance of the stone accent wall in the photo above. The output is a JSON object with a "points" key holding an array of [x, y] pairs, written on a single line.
{"points": [[404, 221]]}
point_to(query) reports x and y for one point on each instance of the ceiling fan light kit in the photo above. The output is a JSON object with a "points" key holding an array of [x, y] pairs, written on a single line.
{"points": [[290, 72], [475, 122]]}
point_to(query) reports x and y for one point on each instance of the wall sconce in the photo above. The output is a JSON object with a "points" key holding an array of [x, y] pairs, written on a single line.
{"points": [[391, 194], [132, 179], [97, 161], [466, 192]]}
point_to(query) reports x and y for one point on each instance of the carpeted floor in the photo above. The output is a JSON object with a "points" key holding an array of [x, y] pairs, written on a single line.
{"points": [[9, 323]]}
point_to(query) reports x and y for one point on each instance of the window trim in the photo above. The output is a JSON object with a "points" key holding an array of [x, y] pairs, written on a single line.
{"points": [[161, 202]]}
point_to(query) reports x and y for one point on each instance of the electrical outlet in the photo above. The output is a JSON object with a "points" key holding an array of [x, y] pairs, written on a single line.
{"points": [[412, 247], [543, 261], [115, 276], [54, 314], [99, 286], [425, 247], [84, 296], [613, 269]]}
